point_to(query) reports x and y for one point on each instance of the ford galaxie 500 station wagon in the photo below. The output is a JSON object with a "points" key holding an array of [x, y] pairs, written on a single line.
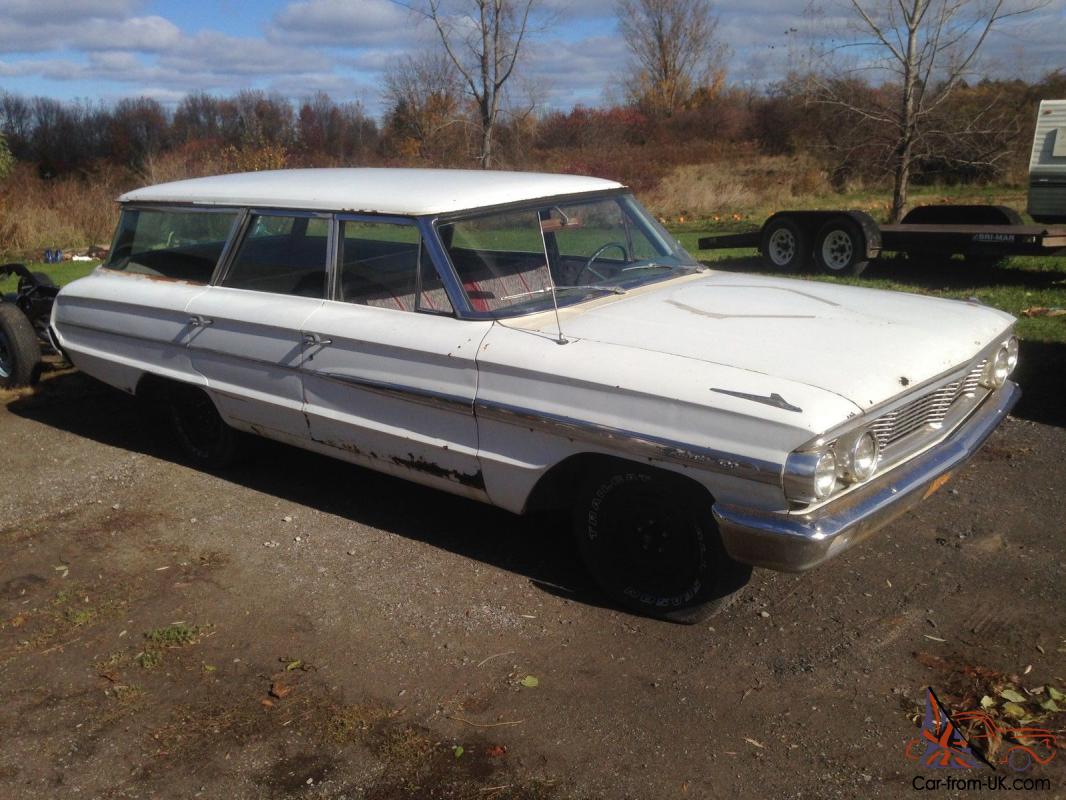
{"points": [[538, 341]]}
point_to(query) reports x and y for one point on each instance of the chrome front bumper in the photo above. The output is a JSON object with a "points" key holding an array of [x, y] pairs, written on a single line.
{"points": [[799, 541]]}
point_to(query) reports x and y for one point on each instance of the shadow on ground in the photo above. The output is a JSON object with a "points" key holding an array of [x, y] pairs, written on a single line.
{"points": [[539, 546]]}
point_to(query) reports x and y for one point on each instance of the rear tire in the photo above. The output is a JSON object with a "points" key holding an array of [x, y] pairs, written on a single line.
{"points": [[650, 541], [785, 245], [840, 248], [199, 430], [20, 352]]}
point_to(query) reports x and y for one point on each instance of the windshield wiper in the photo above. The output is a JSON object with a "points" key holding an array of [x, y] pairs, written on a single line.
{"points": [[547, 289]]}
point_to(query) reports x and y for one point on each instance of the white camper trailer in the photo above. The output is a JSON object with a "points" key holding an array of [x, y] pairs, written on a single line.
{"points": [[1047, 167]]}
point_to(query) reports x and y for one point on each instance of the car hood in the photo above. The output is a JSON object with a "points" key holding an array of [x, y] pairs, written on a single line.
{"points": [[865, 345]]}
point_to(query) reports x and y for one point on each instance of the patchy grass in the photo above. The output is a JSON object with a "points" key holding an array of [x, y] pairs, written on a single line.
{"points": [[160, 640], [61, 274]]}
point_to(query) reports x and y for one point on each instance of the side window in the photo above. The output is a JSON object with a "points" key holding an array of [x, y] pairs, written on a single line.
{"points": [[383, 264], [283, 255], [179, 245]]}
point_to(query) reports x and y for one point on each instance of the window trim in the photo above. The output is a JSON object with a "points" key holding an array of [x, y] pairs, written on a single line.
{"points": [[239, 235], [181, 208], [425, 249]]}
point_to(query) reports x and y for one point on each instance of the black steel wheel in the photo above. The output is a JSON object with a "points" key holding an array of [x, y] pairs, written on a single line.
{"points": [[785, 245], [840, 247], [650, 541], [199, 430], [20, 352]]}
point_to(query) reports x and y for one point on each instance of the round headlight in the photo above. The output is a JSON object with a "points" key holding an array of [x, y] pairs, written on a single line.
{"points": [[825, 475], [1012, 353], [864, 456], [997, 375]]}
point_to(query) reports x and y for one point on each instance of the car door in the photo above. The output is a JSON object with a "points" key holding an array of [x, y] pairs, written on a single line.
{"points": [[130, 316], [247, 340], [390, 373]]}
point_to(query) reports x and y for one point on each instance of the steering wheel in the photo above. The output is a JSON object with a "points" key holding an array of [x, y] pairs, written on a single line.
{"points": [[599, 252]]}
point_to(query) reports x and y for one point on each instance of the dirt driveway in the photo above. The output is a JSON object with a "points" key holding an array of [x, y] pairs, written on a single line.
{"points": [[303, 628]]}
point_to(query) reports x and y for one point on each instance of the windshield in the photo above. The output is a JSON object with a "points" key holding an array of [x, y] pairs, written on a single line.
{"points": [[507, 261]]}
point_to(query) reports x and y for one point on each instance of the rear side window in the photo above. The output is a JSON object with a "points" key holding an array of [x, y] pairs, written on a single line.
{"points": [[179, 245], [283, 255], [383, 264]]}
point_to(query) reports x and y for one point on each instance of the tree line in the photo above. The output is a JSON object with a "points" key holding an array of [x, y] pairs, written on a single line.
{"points": [[911, 110]]}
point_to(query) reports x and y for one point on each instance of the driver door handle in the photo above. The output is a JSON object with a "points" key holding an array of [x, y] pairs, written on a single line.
{"points": [[200, 322], [311, 339]]}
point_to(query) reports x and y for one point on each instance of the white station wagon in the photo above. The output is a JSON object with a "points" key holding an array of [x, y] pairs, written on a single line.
{"points": [[540, 341]]}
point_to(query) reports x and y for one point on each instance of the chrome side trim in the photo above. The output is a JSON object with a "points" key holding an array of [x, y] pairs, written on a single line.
{"points": [[426, 397], [633, 444], [122, 334], [798, 541]]}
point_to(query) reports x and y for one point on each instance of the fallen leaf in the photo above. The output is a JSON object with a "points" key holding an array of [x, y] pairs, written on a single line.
{"points": [[1041, 649], [1050, 705], [1055, 693], [458, 750], [293, 665], [280, 690], [1014, 710], [266, 702], [760, 745], [1012, 695], [1028, 669], [988, 702], [530, 682], [496, 751], [934, 638]]}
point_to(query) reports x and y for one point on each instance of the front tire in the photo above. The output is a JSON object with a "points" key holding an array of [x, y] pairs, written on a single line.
{"points": [[20, 352], [649, 540]]}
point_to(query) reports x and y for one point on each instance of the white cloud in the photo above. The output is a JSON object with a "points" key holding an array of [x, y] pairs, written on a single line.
{"points": [[342, 23]]}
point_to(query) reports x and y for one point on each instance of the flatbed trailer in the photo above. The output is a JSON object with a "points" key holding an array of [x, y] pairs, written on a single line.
{"points": [[844, 242]]}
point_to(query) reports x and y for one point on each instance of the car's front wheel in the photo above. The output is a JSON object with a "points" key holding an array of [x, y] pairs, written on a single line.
{"points": [[651, 543]]}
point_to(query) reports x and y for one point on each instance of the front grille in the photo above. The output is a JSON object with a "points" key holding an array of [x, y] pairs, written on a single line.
{"points": [[927, 411]]}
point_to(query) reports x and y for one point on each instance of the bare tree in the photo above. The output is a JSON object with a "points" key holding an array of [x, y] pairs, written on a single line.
{"points": [[424, 95], [675, 50], [928, 48], [484, 41]]}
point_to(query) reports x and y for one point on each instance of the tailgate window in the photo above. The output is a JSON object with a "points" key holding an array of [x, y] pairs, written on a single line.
{"points": [[176, 245]]}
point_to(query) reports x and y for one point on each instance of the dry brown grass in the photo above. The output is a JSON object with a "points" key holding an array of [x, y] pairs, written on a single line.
{"points": [[736, 184]]}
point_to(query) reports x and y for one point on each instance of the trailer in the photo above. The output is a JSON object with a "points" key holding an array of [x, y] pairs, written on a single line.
{"points": [[24, 319], [844, 242]]}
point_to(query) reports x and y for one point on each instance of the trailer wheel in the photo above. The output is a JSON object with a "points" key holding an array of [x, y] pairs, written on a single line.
{"points": [[785, 245], [20, 352], [840, 248]]}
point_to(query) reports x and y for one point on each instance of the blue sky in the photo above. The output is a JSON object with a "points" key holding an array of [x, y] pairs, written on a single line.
{"points": [[108, 49]]}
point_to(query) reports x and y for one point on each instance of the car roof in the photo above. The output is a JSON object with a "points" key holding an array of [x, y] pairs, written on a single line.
{"points": [[369, 190]]}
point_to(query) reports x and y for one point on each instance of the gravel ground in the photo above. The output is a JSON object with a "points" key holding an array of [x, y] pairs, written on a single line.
{"points": [[298, 627]]}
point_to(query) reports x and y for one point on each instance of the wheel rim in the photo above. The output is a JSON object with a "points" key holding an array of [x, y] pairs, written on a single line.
{"points": [[782, 247], [5, 357], [837, 250], [657, 545], [198, 423]]}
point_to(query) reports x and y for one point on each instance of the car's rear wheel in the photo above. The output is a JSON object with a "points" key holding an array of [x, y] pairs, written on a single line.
{"points": [[197, 427], [651, 543], [20, 352]]}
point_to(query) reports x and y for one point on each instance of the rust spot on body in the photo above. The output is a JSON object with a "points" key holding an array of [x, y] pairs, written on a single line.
{"points": [[474, 479]]}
